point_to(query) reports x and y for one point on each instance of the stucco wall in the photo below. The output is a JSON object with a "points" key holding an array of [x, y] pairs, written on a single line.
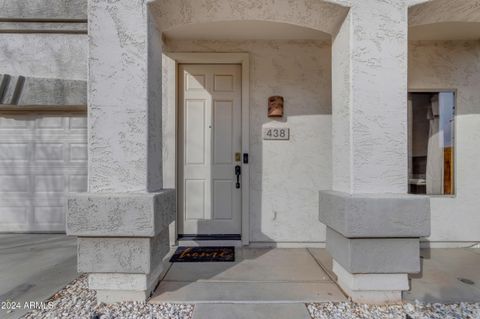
{"points": [[285, 176], [320, 15], [284, 179], [455, 65], [43, 9], [62, 56], [341, 110]]}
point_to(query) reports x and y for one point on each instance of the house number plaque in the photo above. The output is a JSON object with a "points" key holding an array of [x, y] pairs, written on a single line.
{"points": [[276, 133]]}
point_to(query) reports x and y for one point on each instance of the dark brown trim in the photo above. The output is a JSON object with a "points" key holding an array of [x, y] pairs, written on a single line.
{"points": [[17, 31], [23, 109], [44, 20]]}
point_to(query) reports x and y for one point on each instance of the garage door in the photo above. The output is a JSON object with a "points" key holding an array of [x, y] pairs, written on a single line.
{"points": [[42, 157]]}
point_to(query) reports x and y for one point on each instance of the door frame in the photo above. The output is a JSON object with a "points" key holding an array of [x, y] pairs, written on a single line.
{"points": [[222, 58]]}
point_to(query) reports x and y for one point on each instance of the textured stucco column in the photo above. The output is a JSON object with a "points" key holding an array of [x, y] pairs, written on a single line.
{"points": [[123, 221], [370, 157]]}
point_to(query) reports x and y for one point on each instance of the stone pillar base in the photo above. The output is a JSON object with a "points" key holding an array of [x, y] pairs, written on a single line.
{"points": [[123, 241], [114, 296], [371, 288], [118, 287], [374, 242]]}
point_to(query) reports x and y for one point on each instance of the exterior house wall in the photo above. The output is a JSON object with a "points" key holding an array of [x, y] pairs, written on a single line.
{"points": [[454, 65], [341, 98], [282, 206], [285, 176], [43, 69], [61, 56], [354, 144], [43, 55], [376, 40], [325, 16]]}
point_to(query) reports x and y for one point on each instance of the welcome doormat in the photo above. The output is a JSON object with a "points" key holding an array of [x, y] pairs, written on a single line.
{"points": [[203, 254]]}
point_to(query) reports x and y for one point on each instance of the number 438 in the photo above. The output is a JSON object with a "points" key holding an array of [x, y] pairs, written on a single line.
{"points": [[276, 133]]}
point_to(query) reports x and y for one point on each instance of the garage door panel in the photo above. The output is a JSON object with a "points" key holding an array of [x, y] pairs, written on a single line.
{"points": [[48, 215], [14, 123], [14, 152], [54, 200], [50, 123], [78, 152], [15, 137], [20, 136], [48, 152], [77, 183], [74, 168], [49, 183], [42, 157], [15, 199], [13, 215], [77, 123], [14, 183]]}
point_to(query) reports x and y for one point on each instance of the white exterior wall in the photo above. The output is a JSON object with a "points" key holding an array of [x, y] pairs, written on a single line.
{"points": [[62, 56], [341, 100], [285, 176], [431, 65], [454, 65], [325, 16], [370, 123], [124, 99], [285, 179]]}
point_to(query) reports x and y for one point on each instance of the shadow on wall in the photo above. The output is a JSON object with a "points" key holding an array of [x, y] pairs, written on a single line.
{"points": [[21, 90]]}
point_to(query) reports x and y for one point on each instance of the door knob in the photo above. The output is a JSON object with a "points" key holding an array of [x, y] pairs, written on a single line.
{"points": [[238, 171]]}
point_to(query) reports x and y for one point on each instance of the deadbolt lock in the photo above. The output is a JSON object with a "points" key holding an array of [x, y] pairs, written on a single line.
{"points": [[238, 157]]}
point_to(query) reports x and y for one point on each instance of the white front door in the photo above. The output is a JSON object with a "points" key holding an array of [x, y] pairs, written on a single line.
{"points": [[210, 141]]}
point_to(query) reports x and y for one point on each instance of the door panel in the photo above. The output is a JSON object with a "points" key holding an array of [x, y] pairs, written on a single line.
{"points": [[194, 132], [222, 132], [223, 190], [195, 205], [209, 136]]}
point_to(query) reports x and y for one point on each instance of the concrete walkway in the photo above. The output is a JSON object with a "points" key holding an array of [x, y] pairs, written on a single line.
{"points": [[33, 267], [275, 283], [442, 273], [439, 281], [257, 276], [261, 283], [251, 311]]}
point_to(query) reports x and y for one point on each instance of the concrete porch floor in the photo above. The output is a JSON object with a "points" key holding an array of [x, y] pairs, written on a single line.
{"points": [[275, 283], [262, 283], [258, 275], [442, 270]]}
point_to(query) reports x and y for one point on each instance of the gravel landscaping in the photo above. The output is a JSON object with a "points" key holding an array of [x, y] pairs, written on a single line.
{"points": [[77, 301], [347, 310]]}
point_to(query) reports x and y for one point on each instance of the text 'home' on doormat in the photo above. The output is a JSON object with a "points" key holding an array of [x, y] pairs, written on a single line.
{"points": [[203, 254]]}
